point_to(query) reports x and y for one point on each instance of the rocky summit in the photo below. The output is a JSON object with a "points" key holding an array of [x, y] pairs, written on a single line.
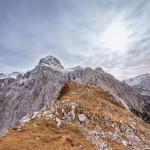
{"points": [[81, 118], [52, 62], [22, 94]]}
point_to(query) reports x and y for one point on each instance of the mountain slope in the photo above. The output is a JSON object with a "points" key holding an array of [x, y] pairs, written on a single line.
{"points": [[33, 90], [82, 117], [140, 83]]}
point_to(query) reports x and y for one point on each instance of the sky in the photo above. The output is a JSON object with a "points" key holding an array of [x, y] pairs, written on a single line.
{"points": [[111, 34]]}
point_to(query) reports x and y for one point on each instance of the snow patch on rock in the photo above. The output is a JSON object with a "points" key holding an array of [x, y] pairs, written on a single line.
{"points": [[9, 75]]}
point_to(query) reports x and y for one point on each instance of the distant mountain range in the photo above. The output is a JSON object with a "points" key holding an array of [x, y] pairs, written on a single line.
{"points": [[140, 83], [22, 94]]}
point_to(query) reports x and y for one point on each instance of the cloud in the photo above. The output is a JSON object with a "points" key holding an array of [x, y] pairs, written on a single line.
{"points": [[73, 32]]}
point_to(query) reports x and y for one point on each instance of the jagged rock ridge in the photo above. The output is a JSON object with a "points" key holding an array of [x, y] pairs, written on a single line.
{"points": [[140, 83], [9, 75], [33, 90]]}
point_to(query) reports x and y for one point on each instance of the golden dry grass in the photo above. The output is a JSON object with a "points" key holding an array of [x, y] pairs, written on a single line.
{"points": [[42, 134]]}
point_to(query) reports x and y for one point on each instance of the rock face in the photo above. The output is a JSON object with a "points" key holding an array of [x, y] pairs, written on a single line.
{"points": [[140, 83], [52, 62], [33, 90], [82, 117], [9, 75]]}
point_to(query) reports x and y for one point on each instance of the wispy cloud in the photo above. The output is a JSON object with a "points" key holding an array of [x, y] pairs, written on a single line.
{"points": [[73, 32]]}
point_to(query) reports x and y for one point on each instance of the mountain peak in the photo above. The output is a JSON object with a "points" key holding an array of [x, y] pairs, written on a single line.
{"points": [[50, 61], [140, 83]]}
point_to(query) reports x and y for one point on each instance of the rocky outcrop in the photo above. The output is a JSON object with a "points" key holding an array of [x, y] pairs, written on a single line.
{"points": [[33, 90]]}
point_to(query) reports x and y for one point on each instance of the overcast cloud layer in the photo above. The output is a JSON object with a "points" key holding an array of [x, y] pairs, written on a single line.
{"points": [[77, 32]]}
